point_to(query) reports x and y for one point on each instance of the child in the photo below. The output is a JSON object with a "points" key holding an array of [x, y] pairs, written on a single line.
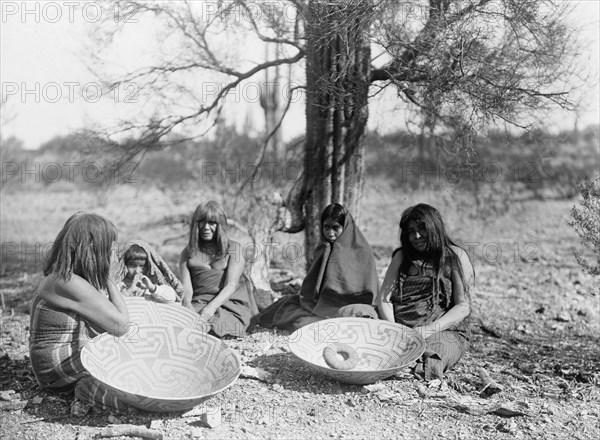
{"points": [[342, 276], [427, 287], [144, 273], [75, 302]]}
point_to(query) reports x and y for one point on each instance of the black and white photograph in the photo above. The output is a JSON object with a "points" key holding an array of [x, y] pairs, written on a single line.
{"points": [[298, 219]]}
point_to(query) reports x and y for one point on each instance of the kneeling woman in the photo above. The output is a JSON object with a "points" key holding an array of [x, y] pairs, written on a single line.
{"points": [[212, 272], [75, 302], [427, 287]]}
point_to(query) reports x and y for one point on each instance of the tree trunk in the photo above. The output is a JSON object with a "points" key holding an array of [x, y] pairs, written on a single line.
{"points": [[337, 70], [270, 102]]}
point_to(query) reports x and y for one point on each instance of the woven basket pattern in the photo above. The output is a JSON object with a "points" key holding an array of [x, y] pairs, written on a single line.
{"points": [[383, 347], [162, 368], [143, 311]]}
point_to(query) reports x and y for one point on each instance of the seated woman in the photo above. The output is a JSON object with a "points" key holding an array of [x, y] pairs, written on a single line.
{"points": [[342, 276], [75, 302], [212, 271], [141, 271], [427, 287]]}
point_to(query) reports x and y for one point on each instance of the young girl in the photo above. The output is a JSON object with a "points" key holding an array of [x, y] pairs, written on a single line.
{"points": [[75, 302], [212, 271], [427, 287], [342, 274], [144, 273]]}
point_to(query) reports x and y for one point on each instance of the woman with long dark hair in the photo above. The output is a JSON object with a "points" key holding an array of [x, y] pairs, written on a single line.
{"points": [[427, 287], [212, 272], [75, 302]]}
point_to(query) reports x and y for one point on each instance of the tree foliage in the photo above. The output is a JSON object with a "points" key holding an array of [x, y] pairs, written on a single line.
{"points": [[463, 64], [585, 219]]}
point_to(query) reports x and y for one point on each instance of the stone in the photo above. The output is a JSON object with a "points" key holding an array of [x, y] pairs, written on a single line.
{"points": [[211, 418]]}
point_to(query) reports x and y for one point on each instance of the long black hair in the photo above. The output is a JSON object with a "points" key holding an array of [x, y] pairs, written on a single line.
{"points": [[335, 212], [439, 251], [83, 247], [209, 211]]}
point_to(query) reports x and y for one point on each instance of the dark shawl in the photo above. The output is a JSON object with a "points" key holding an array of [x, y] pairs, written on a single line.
{"points": [[342, 273]]}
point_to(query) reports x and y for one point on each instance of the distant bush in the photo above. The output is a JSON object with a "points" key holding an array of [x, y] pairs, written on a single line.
{"points": [[536, 164], [586, 221]]}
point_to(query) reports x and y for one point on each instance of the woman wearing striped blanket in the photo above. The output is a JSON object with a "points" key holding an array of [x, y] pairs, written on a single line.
{"points": [[75, 302]]}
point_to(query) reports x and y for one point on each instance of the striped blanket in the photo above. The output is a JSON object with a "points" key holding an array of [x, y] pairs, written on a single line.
{"points": [[56, 339], [57, 336]]}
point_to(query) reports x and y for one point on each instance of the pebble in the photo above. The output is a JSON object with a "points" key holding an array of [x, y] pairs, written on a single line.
{"points": [[7, 395], [212, 419], [563, 316], [114, 420], [13, 405], [373, 388]]}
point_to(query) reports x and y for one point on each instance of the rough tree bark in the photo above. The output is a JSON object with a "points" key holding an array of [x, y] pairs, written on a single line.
{"points": [[271, 104], [337, 78]]}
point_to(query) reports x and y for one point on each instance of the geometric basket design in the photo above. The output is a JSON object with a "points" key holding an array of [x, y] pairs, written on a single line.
{"points": [[162, 368], [143, 311], [383, 347]]}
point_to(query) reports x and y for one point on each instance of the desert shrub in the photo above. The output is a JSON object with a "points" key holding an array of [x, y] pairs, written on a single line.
{"points": [[537, 164], [586, 221]]}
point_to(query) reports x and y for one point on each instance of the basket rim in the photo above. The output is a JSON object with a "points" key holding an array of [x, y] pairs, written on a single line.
{"points": [[86, 350], [172, 305], [418, 337]]}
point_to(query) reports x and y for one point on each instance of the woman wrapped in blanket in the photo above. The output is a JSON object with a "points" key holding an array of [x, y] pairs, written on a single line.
{"points": [[75, 302], [342, 280], [427, 287], [212, 272]]}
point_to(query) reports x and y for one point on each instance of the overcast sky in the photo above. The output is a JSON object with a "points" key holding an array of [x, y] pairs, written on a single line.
{"points": [[49, 91]]}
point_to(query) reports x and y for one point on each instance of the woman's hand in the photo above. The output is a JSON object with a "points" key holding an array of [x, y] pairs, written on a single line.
{"points": [[188, 305], [425, 331], [79, 296], [113, 288], [207, 312]]}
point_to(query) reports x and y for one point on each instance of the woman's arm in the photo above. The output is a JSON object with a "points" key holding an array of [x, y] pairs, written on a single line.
{"points": [[390, 283], [235, 268], [79, 296], [186, 280], [460, 298], [163, 293]]}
